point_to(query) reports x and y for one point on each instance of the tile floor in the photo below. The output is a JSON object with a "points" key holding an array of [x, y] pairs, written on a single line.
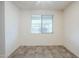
{"points": [[42, 52]]}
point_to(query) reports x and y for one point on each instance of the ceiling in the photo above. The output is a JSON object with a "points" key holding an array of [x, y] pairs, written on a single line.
{"points": [[37, 5]]}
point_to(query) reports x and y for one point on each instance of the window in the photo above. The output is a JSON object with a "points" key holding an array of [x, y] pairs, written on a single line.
{"points": [[41, 24]]}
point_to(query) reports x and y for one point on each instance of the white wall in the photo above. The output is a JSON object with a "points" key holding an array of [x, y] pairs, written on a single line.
{"points": [[11, 27], [15, 36], [2, 34], [27, 38], [71, 26]]}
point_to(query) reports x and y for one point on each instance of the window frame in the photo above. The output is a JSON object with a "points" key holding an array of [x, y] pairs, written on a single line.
{"points": [[42, 26]]}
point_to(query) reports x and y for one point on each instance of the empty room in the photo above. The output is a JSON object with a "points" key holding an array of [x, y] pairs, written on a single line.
{"points": [[39, 29]]}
